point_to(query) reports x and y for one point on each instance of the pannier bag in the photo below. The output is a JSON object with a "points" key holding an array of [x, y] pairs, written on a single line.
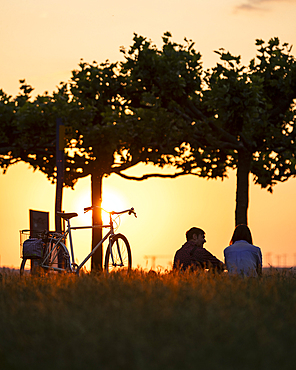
{"points": [[33, 248]]}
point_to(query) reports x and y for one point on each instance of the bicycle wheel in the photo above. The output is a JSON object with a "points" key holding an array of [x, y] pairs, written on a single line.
{"points": [[32, 266], [24, 265], [118, 255], [56, 257]]}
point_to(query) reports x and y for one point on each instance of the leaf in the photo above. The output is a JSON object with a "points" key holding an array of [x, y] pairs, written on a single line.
{"points": [[259, 42]]}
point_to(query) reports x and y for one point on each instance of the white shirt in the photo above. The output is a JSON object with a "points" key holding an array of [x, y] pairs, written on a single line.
{"points": [[243, 258]]}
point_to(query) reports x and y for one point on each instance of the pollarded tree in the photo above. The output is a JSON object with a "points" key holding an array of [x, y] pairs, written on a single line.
{"points": [[108, 136], [113, 130], [252, 117], [242, 118]]}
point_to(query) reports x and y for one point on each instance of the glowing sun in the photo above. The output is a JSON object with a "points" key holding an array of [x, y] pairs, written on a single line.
{"points": [[112, 201]]}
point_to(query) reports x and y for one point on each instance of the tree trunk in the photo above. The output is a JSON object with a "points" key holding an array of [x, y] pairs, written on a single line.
{"points": [[96, 199], [242, 187]]}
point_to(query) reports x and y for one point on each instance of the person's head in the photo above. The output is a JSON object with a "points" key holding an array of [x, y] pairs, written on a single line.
{"points": [[241, 232], [196, 234]]}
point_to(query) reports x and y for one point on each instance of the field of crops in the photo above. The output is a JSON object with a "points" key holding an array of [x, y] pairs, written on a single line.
{"points": [[148, 321]]}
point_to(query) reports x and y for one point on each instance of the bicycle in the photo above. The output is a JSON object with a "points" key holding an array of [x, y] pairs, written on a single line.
{"points": [[56, 256]]}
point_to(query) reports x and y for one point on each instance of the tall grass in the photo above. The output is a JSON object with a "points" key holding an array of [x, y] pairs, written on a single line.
{"points": [[148, 321]]}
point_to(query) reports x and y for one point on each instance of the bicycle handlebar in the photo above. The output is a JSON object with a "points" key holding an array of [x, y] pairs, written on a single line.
{"points": [[129, 211]]}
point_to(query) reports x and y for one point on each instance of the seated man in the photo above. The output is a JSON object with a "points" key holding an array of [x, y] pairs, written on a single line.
{"points": [[193, 255]]}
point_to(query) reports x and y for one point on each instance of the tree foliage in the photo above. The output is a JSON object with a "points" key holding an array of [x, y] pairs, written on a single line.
{"points": [[254, 107], [159, 106], [110, 132], [232, 116]]}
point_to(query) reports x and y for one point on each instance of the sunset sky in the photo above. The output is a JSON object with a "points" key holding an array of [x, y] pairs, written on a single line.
{"points": [[43, 41]]}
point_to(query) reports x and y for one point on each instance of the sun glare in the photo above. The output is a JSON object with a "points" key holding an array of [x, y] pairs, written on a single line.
{"points": [[112, 201], [84, 201]]}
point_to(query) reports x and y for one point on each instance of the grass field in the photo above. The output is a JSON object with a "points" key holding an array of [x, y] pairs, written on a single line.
{"points": [[148, 321]]}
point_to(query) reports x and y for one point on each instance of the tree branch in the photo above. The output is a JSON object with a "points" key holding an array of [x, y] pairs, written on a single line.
{"points": [[147, 176], [226, 136]]}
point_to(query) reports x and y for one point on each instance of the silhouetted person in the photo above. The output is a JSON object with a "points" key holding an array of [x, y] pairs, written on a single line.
{"points": [[193, 255], [242, 257]]}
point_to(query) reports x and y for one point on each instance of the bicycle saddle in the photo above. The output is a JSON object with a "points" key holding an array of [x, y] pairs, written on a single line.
{"points": [[67, 216]]}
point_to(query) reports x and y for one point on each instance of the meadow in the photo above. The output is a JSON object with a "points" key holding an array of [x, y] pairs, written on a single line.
{"points": [[147, 320]]}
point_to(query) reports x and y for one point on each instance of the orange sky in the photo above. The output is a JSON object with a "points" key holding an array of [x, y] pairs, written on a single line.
{"points": [[43, 41]]}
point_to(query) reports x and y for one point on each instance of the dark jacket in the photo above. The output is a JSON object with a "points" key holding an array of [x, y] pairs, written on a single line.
{"points": [[192, 255]]}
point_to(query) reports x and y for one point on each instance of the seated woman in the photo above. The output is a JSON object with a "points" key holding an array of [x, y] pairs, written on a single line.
{"points": [[242, 257]]}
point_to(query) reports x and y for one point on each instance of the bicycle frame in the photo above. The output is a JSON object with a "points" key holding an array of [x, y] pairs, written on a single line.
{"points": [[108, 235]]}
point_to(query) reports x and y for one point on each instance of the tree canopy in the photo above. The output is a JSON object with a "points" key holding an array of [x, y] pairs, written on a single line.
{"points": [[252, 114], [237, 117], [159, 106], [109, 133]]}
